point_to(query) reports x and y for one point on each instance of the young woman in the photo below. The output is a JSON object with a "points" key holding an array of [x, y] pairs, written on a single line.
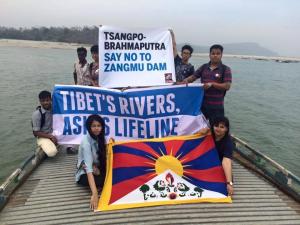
{"points": [[91, 165], [224, 145]]}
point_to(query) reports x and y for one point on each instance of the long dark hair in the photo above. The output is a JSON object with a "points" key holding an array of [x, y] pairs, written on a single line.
{"points": [[216, 121], [100, 139]]}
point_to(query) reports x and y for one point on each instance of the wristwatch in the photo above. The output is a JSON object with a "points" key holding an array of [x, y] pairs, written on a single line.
{"points": [[230, 183]]}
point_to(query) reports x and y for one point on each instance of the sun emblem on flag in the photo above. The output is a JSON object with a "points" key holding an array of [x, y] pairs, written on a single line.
{"points": [[168, 162]]}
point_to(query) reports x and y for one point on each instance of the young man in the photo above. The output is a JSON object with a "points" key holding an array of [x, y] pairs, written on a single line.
{"points": [[42, 125], [183, 68], [81, 69], [94, 66], [216, 78]]}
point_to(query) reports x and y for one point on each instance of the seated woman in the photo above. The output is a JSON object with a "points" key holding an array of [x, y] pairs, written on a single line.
{"points": [[224, 145], [91, 165]]}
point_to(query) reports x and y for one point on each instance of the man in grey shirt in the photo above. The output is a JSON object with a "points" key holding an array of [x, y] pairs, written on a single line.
{"points": [[82, 69], [42, 125]]}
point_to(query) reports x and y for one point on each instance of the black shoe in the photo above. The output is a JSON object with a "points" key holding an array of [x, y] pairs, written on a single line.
{"points": [[71, 151]]}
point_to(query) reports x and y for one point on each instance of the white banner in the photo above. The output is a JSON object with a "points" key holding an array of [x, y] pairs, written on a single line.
{"points": [[135, 57]]}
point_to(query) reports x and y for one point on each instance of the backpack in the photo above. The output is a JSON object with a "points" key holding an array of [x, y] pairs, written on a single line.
{"points": [[43, 117], [91, 67], [223, 69]]}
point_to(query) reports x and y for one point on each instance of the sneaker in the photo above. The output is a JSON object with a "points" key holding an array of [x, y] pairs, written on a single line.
{"points": [[71, 151]]}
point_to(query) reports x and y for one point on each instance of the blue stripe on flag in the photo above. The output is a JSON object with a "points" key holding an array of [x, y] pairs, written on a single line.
{"points": [[122, 174], [158, 147], [208, 160], [187, 146], [124, 149], [212, 186]]}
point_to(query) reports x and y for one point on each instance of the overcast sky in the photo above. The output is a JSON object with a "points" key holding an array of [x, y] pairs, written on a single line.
{"points": [[274, 24]]}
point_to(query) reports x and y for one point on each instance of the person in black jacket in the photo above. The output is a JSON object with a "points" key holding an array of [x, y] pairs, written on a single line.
{"points": [[224, 145]]}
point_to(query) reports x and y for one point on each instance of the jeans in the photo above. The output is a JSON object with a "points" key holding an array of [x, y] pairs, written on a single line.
{"points": [[99, 180], [210, 114]]}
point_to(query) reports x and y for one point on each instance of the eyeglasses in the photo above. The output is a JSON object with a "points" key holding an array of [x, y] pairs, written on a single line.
{"points": [[186, 53]]}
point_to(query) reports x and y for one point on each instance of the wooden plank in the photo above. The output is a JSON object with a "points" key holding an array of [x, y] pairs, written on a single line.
{"points": [[54, 198], [162, 217], [191, 213], [85, 207], [62, 214]]}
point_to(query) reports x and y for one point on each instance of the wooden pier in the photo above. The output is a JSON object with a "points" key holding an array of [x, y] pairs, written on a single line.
{"points": [[51, 196]]}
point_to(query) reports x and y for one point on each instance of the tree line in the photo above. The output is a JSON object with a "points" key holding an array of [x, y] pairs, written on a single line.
{"points": [[84, 35], [89, 35]]}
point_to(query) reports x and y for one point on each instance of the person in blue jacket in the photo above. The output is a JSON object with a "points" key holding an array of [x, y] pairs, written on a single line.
{"points": [[91, 165]]}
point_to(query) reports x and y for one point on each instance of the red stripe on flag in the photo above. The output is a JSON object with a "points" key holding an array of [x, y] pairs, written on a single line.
{"points": [[173, 146], [141, 147], [129, 160], [215, 174], [206, 145], [121, 189]]}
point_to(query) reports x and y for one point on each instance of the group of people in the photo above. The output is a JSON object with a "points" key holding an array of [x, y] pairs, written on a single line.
{"points": [[91, 165], [216, 79], [87, 73]]}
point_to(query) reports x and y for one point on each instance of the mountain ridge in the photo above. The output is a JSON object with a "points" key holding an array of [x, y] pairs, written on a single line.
{"points": [[239, 48]]}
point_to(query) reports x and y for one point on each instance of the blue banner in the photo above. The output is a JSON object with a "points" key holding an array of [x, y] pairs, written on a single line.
{"points": [[130, 114]]}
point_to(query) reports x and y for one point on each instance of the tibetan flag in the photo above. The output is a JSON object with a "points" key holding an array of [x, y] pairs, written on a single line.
{"points": [[172, 170]]}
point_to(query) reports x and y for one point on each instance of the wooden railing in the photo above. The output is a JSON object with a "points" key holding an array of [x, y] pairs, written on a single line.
{"points": [[271, 170], [19, 175]]}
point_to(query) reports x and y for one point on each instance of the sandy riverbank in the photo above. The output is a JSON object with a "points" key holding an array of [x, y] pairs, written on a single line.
{"points": [[39, 44], [63, 45]]}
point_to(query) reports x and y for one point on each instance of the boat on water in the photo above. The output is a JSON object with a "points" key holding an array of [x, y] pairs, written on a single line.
{"points": [[42, 191]]}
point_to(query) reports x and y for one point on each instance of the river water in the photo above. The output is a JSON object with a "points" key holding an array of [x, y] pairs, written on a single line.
{"points": [[262, 105]]}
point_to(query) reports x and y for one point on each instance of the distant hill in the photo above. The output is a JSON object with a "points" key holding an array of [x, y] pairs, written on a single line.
{"points": [[247, 48]]}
